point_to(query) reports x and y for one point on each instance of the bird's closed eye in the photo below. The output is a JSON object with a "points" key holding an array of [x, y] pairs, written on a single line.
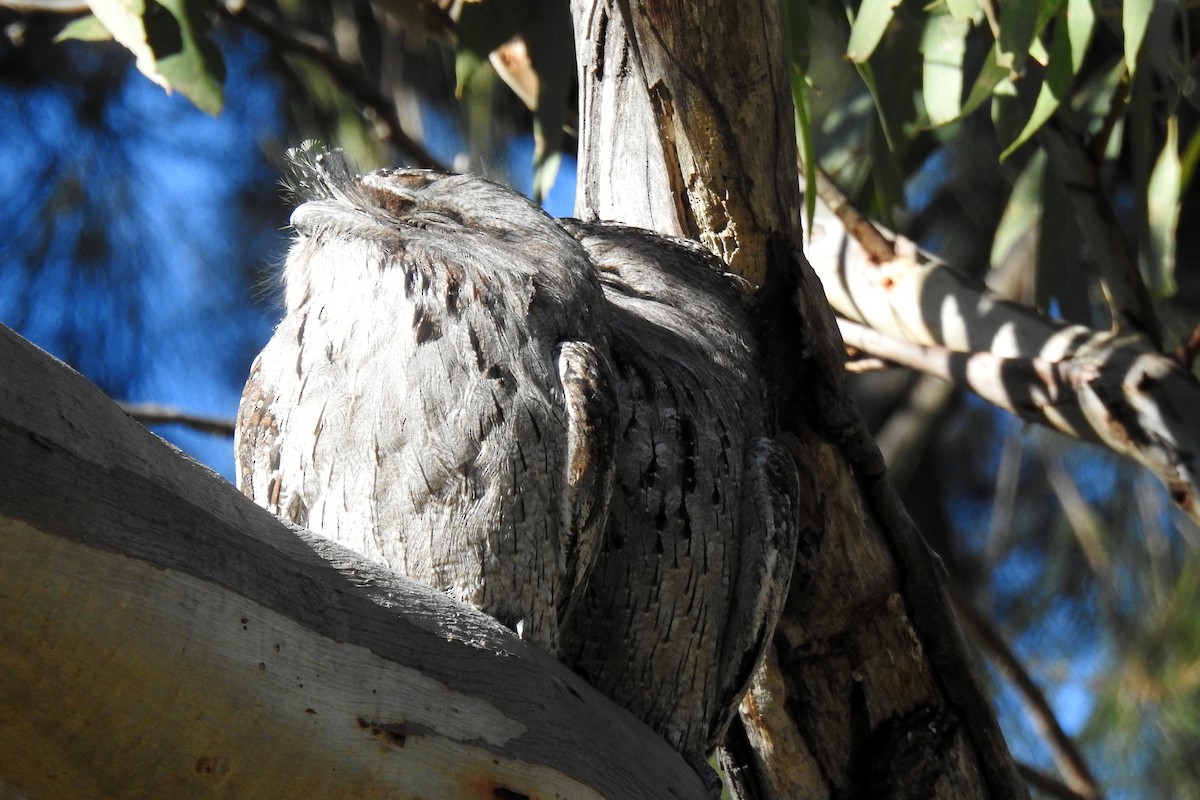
{"points": [[434, 219]]}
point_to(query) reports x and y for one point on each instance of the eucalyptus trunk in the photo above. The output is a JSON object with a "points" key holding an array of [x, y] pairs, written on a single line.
{"points": [[686, 128]]}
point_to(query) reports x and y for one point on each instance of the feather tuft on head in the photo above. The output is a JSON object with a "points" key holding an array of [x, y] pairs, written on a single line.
{"points": [[315, 172]]}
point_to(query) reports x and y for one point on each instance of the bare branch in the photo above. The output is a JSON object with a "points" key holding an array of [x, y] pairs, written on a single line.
{"points": [[1062, 748], [879, 248], [1186, 353], [1047, 783], [153, 414], [1096, 385]]}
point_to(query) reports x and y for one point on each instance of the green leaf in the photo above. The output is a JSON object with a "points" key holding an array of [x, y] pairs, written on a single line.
{"points": [[1163, 200], [545, 27], [1135, 17], [1081, 21], [1191, 155], [886, 178], [891, 135], [484, 25], [796, 27], [1020, 23], [1059, 277], [1072, 34], [123, 19], [965, 10], [86, 29], [466, 64], [996, 69], [1022, 212], [868, 28], [943, 43], [808, 151], [169, 45], [187, 57]]}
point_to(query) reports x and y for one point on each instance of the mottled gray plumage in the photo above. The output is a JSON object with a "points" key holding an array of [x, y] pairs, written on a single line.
{"points": [[702, 531], [438, 394]]}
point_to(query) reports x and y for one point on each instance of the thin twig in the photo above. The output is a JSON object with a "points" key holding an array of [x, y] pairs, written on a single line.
{"points": [[1047, 783], [863, 364], [1066, 755], [317, 49], [153, 414], [1186, 353], [879, 248]]}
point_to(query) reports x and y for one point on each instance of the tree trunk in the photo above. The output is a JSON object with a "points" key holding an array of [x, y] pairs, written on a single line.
{"points": [[162, 636], [686, 128]]}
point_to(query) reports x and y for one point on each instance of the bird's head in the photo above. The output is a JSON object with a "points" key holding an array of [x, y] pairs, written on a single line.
{"points": [[432, 218]]}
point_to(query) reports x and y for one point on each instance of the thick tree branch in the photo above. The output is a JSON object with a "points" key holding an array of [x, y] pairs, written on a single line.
{"points": [[162, 636], [1092, 385]]}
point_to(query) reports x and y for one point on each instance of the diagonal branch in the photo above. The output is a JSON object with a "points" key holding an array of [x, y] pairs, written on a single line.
{"points": [[1093, 385], [154, 414], [1047, 784], [1066, 755]]}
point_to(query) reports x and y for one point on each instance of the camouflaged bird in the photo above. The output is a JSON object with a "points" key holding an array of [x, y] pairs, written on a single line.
{"points": [[438, 394], [703, 521]]}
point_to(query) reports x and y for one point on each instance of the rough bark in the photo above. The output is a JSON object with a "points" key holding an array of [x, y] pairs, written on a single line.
{"points": [[686, 128], [161, 636]]}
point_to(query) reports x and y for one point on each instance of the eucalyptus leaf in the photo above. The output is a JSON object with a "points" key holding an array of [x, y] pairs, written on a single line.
{"points": [[1191, 154], [85, 29], [1060, 282], [943, 44], [796, 27], [1022, 212], [808, 153], [996, 68], [187, 57], [965, 10], [1072, 35], [1019, 26], [1163, 201], [868, 28], [884, 108], [485, 25], [123, 19], [169, 43], [1135, 18]]}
